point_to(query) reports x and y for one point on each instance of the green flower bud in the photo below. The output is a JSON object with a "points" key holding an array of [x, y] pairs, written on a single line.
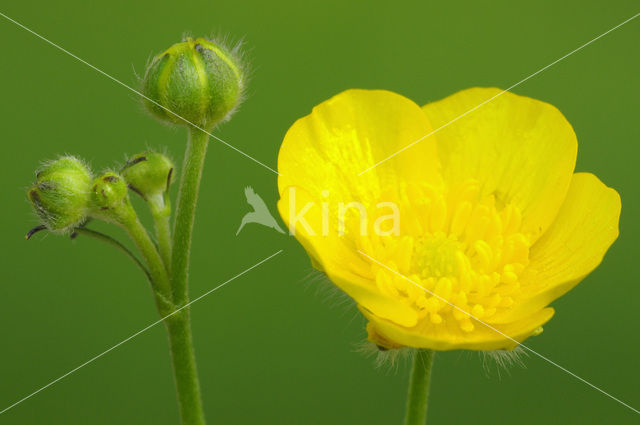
{"points": [[149, 174], [60, 195], [196, 79], [109, 192]]}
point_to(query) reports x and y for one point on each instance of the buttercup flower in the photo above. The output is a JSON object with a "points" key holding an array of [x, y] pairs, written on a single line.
{"points": [[486, 214]]}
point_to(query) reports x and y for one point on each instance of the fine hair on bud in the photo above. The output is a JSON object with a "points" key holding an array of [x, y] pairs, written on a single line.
{"points": [[60, 194], [195, 82]]}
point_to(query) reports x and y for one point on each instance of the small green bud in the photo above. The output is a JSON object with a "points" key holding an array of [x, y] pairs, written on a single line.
{"points": [[109, 191], [60, 195], [149, 174], [196, 79]]}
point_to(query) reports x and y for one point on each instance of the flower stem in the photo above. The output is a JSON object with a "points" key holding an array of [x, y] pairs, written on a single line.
{"points": [[419, 387], [157, 270], [184, 368], [161, 220], [179, 326], [185, 212]]}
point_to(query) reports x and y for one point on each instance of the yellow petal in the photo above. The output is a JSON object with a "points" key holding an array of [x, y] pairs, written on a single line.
{"points": [[574, 245], [349, 133], [441, 337], [322, 156], [521, 149], [337, 256]]}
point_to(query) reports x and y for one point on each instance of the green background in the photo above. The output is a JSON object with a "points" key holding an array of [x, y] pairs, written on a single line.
{"points": [[277, 346]]}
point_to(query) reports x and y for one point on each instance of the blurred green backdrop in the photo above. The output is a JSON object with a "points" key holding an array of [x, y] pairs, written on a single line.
{"points": [[272, 348]]}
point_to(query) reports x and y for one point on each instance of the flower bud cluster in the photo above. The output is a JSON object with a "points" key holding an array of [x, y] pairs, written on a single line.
{"points": [[65, 195], [195, 82]]}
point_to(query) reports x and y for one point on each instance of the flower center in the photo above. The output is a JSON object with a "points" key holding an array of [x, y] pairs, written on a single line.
{"points": [[436, 256], [457, 246]]}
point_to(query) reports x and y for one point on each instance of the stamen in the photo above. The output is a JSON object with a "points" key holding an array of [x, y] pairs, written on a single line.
{"points": [[455, 243]]}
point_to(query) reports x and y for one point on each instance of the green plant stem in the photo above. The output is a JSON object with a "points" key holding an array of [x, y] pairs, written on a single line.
{"points": [[180, 339], [419, 387], [157, 270], [161, 220], [185, 212], [184, 368], [163, 231]]}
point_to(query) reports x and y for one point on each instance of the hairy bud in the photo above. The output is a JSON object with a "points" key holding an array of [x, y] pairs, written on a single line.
{"points": [[109, 192], [195, 80], [60, 195], [149, 174]]}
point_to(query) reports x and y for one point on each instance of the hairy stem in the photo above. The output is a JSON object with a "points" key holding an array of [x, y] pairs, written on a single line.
{"points": [[185, 212], [157, 270], [161, 219], [184, 368], [180, 339], [418, 397]]}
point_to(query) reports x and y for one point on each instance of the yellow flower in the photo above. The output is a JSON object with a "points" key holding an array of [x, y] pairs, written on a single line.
{"points": [[485, 215]]}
